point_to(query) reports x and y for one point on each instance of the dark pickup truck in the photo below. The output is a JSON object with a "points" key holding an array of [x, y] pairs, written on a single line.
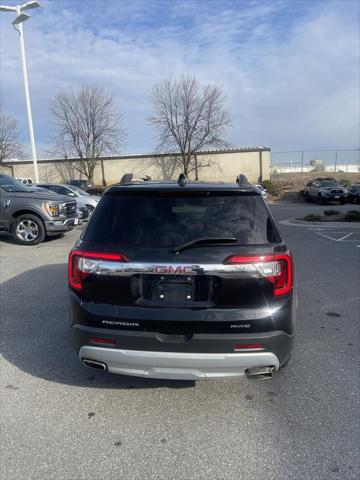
{"points": [[30, 214]]}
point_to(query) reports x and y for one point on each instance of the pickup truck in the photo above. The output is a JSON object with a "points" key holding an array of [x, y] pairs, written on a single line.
{"points": [[30, 214], [325, 190]]}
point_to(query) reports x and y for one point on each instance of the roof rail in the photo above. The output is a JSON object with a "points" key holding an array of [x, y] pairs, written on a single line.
{"points": [[126, 178], [129, 178], [182, 180], [242, 180]]}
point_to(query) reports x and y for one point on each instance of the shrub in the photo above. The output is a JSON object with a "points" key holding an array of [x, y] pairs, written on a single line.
{"points": [[271, 187], [345, 182], [331, 212], [312, 217], [352, 216]]}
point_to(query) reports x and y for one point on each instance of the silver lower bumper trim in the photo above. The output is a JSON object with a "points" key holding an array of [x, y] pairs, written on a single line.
{"points": [[178, 366]]}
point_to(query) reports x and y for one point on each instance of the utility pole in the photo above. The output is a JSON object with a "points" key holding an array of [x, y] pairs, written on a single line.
{"points": [[17, 24]]}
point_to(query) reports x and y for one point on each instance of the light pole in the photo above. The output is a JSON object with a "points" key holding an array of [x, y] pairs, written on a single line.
{"points": [[17, 24]]}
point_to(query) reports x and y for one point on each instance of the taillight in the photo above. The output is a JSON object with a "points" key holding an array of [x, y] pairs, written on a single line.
{"points": [[82, 263], [277, 268]]}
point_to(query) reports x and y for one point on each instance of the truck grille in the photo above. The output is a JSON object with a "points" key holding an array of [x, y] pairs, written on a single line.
{"points": [[337, 192], [70, 208]]}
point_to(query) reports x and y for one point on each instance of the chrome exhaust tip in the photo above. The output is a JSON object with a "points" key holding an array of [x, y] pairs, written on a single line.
{"points": [[94, 364], [260, 372]]}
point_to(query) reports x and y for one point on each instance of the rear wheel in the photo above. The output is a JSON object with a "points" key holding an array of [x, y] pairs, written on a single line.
{"points": [[28, 230], [320, 200], [307, 197], [343, 201]]}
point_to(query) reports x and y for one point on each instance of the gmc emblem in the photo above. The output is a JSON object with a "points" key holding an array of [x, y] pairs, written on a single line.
{"points": [[170, 270]]}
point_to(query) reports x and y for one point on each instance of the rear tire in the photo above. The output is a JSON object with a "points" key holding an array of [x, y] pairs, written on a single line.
{"points": [[28, 230], [320, 200], [307, 197], [343, 201]]}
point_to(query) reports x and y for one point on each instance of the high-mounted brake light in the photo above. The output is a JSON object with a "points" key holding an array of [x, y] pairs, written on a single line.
{"points": [[82, 263], [277, 268]]}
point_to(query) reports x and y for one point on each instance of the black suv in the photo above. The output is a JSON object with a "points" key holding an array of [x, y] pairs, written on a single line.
{"points": [[182, 281]]}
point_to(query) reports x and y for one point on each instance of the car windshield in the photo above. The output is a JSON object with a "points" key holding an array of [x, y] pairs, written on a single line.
{"points": [[158, 219], [10, 184], [80, 191], [329, 184]]}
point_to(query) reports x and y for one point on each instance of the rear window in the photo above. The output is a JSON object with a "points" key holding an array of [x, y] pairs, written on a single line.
{"points": [[169, 219]]}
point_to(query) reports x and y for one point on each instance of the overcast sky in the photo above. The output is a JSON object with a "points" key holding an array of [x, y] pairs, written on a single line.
{"points": [[289, 68]]}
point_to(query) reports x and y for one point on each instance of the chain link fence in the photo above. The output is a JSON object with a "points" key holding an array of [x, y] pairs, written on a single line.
{"points": [[306, 164]]}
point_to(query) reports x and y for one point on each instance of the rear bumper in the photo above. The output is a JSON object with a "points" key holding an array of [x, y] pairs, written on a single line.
{"points": [[197, 356], [177, 365]]}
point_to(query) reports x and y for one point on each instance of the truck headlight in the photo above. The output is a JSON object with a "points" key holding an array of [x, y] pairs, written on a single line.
{"points": [[52, 209]]}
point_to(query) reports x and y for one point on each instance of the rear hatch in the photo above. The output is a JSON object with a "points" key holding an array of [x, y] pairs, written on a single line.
{"points": [[189, 253]]}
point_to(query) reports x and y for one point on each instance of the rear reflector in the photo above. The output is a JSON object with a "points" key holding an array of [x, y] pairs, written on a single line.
{"points": [[103, 341], [248, 346], [82, 263], [277, 268]]}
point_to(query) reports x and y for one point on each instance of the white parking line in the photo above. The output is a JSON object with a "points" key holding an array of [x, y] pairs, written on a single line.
{"points": [[333, 235], [345, 236]]}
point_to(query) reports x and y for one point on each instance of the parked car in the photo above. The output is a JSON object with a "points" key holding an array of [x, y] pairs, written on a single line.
{"points": [[83, 198], [263, 191], [83, 184], [25, 181], [324, 191], [354, 194], [29, 214], [182, 281]]}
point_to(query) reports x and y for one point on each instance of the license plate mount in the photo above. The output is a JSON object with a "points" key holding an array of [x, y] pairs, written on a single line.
{"points": [[175, 290]]}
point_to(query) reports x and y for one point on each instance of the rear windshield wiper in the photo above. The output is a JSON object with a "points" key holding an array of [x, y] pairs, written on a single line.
{"points": [[204, 240]]}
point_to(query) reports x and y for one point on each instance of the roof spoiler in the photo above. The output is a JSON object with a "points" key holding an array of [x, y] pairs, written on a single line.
{"points": [[128, 178], [242, 180]]}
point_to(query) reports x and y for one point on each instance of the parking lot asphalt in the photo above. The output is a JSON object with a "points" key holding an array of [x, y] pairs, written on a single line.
{"points": [[60, 420]]}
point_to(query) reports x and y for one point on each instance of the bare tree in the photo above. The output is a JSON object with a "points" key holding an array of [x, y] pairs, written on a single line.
{"points": [[165, 167], [188, 117], [86, 126], [67, 169], [9, 146]]}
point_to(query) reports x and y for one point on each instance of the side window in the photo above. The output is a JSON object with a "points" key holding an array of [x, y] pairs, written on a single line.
{"points": [[61, 190]]}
